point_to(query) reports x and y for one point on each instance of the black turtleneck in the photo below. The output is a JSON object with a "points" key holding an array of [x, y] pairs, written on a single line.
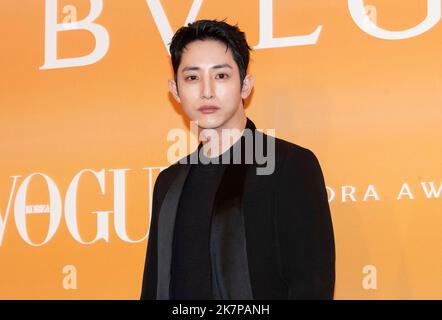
{"points": [[191, 268]]}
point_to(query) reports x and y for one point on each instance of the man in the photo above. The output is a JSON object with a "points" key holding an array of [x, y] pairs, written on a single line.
{"points": [[224, 231]]}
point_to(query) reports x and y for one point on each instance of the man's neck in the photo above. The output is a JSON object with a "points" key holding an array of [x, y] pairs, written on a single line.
{"points": [[216, 142]]}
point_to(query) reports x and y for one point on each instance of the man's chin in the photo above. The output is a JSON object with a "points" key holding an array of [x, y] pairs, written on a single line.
{"points": [[209, 123]]}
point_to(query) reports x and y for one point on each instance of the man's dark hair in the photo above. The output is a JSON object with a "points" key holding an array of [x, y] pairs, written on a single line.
{"points": [[221, 31]]}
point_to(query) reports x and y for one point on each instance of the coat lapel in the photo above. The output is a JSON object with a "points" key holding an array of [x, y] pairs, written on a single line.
{"points": [[166, 224], [228, 250]]}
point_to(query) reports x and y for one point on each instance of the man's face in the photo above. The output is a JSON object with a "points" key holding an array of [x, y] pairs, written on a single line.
{"points": [[209, 76]]}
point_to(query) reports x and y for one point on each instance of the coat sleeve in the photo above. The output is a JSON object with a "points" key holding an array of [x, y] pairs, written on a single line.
{"points": [[149, 284], [304, 228]]}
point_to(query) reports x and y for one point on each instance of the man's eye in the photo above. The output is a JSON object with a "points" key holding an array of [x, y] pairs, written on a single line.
{"points": [[222, 76], [191, 78]]}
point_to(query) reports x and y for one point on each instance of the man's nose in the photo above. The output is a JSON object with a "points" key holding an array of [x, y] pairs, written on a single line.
{"points": [[207, 90]]}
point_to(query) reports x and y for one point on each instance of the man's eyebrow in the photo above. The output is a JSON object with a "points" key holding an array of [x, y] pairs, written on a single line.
{"points": [[218, 66], [190, 69], [224, 65]]}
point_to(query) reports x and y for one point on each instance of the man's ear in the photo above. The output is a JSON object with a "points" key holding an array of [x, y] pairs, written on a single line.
{"points": [[173, 90], [247, 86]]}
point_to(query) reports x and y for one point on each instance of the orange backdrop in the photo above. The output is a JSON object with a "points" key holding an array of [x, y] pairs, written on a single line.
{"points": [[370, 109]]}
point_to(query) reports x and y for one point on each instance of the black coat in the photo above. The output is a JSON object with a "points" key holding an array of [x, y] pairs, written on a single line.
{"points": [[271, 235]]}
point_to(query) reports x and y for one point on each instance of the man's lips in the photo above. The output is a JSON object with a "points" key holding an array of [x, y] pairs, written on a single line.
{"points": [[207, 109]]}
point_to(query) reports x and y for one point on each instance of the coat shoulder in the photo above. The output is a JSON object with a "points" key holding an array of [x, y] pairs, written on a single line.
{"points": [[297, 163], [288, 150], [166, 176]]}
